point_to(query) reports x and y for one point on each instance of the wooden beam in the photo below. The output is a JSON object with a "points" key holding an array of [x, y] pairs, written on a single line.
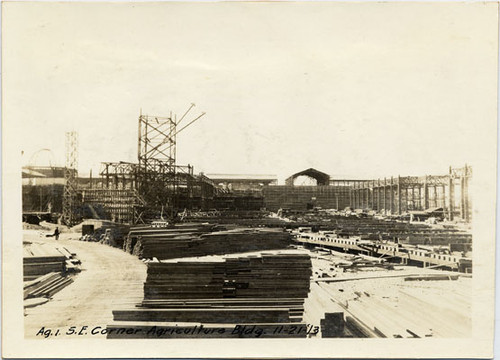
{"points": [[391, 196]]}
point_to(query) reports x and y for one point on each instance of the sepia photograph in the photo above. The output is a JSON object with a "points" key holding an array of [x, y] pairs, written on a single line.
{"points": [[249, 179]]}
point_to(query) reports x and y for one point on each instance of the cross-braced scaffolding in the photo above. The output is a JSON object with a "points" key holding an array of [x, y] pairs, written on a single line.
{"points": [[156, 173], [158, 176], [70, 195], [155, 186]]}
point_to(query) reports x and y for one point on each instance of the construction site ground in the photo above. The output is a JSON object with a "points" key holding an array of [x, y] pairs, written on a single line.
{"points": [[112, 279], [383, 299]]}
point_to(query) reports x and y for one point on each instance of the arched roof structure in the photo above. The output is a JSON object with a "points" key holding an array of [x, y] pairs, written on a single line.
{"points": [[320, 177]]}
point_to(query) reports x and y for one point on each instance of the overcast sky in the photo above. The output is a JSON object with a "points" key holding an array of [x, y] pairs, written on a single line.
{"points": [[358, 90]]}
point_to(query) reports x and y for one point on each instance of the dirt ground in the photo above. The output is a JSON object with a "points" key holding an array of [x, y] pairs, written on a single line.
{"points": [[110, 279]]}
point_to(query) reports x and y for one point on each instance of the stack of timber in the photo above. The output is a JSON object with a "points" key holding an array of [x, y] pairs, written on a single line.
{"points": [[46, 285], [148, 232], [214, 243], [262, 275], [106, 232], [264, 289], [42, 259]]}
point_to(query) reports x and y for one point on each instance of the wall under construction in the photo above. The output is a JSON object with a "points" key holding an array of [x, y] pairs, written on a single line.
{"points": [[398, 195], [304, 197]]}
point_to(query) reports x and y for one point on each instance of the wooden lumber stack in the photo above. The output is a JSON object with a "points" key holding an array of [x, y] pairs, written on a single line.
{"points": [[263, 289], [283, 274], [191, 229], [204, 315], [35, 266], [46, 285], [217, 303], [169, 246], [41, 259]]}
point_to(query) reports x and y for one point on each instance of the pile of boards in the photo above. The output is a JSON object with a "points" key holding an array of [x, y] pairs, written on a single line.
{"points": [[105, 232], [170, 245], [263, 275], [265, 289], [41, 289], [165, 233], [41, 259]]}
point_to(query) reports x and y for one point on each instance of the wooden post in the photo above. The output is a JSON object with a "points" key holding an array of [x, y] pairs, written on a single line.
{"points": [[373, 194], [355, 195], [107, 176], [413, 203], [420, 207], [426, 195], [451, 194], [407, 198], [355, 200], [350, 196], [466, 194], [385, 195], [462, 197], [361, 195], [368, 195], [399, 195], [365, 197], [378, 195], [391, 196]]}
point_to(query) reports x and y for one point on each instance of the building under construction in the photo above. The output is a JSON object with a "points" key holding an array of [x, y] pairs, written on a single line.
{"points": [[156, 187], [333, 257]]}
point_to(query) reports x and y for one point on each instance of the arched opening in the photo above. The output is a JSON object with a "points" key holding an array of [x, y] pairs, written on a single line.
{"points": [[304, 180], [319, 177]]}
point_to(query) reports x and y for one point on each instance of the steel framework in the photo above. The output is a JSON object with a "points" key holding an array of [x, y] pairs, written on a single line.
{"points": [[402, 194], [157, 175], [155, 186]]}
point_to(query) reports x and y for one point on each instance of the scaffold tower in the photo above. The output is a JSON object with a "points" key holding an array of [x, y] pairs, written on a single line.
{"points": [[70, 196]]}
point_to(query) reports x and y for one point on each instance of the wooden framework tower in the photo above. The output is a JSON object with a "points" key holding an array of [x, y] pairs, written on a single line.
{"points": [[70, 194]]}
